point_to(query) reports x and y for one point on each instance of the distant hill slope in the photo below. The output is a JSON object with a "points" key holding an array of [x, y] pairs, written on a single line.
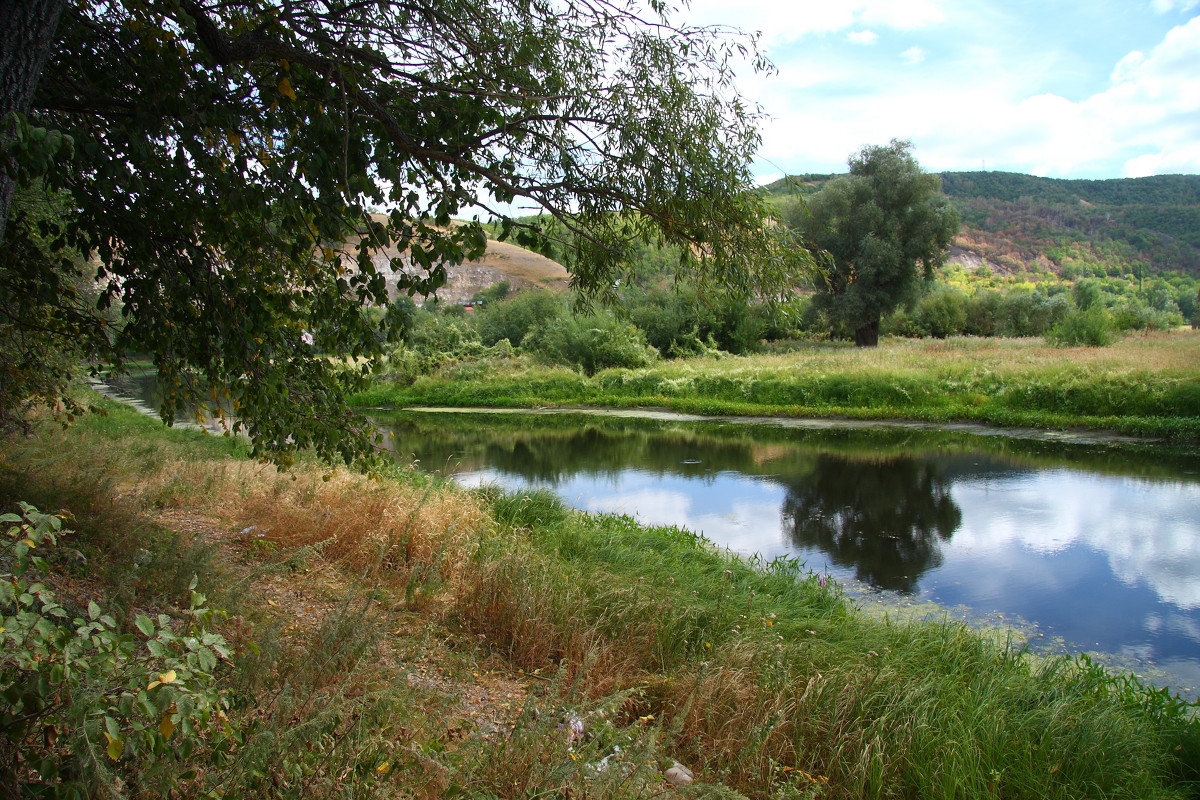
{"points": [[523, 269], [1017, 222]]}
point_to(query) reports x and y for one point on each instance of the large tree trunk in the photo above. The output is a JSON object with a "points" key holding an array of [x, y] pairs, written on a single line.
{"points": [[27, 29], [867, 335]]}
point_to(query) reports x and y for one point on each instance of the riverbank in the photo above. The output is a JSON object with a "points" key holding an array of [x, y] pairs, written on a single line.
{"points": [[405, 636], [1144, 386]]}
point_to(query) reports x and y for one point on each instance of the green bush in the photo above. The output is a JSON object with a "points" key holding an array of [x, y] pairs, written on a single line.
{"points": [[1087, 294], [1091, 327], [941, 313], [433, 341], [591, 343], [669, 321], [682, 321], [513, 319], [981, 313], [80, 699], [1030, 313], [1133, 315]]}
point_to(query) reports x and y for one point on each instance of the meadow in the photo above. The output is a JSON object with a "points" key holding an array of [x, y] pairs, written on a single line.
{"points": [[404, 637], [1144, 385]]}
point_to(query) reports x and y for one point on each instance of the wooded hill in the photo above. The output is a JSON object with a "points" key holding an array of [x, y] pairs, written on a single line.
{"points": [[1022, 223]]}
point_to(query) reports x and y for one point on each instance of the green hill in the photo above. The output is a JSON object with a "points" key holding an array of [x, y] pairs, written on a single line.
{"points": [[1021, 222]]}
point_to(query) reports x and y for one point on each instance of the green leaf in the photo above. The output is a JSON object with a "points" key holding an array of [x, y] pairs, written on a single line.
{"points": [[144, 624]]}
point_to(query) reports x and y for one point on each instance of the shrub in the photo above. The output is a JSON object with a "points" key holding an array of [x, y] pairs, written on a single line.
{"points": [[1132, 315], [591, 343], [80, 699], [514, 319], [941, 313], [1087, 294], [1030, 313], [435, 340], [981, 312], [1091, 328]]}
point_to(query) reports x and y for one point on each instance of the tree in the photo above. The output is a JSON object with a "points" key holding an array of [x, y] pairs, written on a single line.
{"points": [[881, 228], [218, 161]]}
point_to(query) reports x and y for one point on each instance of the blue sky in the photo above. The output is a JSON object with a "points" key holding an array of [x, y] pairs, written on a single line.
{"points": [[1059, 88]]}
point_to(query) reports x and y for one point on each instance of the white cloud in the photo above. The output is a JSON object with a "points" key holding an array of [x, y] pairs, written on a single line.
{"points": [[1166, 6], [1159, 552], [786, 22], [975, 103], [1183, 160], [862, 37]]}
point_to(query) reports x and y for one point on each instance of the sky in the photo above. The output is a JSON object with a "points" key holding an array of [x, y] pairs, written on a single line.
{"points": [[1056, 88]]}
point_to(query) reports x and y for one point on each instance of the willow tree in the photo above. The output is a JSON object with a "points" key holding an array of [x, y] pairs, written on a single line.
{"points": [[212, 161], [881, 229]]}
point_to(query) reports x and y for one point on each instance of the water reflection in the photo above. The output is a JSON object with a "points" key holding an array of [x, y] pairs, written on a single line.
{"points": [[885, 518]]}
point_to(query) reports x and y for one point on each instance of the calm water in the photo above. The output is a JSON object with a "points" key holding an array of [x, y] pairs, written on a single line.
{"points": [[1092, 547], [1084, 546]]}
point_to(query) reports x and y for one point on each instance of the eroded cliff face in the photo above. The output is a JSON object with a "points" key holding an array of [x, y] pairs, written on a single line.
{"points": [[467, 280], [971, 260], [522, 269]]}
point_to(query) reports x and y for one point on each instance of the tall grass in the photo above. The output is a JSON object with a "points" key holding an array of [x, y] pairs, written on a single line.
{"points": [[1143, 386], [760, 674]]}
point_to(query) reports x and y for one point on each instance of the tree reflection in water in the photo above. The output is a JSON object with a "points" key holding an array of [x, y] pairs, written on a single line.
{"points": [[885, 518]]}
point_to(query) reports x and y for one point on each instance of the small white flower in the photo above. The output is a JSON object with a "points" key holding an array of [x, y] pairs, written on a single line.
{"points": [[306, 337]]}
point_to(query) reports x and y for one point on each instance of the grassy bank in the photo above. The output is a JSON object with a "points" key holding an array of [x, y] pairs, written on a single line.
{"points": [[1144, 386], [366, 619]]}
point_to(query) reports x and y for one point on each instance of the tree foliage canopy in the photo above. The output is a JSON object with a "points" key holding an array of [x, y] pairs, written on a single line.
{"points": [[882, 227], [216, 162]]}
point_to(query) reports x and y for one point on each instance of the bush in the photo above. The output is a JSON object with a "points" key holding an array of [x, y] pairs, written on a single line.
{"points": [[434, 340], [1132, 315], [941, 313], [79, 699], [591, 343], [669, 322], [899, 322], [1089, 328], [981, 312], [514, 319], [1030, 313], [1087, 294]]}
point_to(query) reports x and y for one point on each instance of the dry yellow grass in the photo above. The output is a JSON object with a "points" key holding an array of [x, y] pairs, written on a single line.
{"points": [[1169, 352], [380, 527], [383, 529]]}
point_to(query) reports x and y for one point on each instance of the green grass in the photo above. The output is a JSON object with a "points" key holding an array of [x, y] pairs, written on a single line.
{"points": [[1143, 386], [762, 675]]}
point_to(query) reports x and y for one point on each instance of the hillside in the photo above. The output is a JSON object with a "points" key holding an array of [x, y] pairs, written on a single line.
{"points": [[521, 268], [1021, 223]]}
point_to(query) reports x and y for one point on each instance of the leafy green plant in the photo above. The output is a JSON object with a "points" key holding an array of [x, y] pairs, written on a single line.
{"points": [[80, 697], [513, 319], [591, 343], [1090, 327]]}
